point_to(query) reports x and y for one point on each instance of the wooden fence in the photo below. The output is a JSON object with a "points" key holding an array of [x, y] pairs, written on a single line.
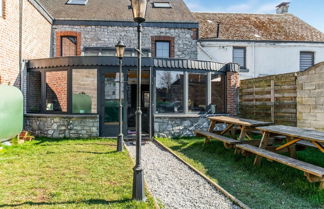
{"points": [[270, 98]]}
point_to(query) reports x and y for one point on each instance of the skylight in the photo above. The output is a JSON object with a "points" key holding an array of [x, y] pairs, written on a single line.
{"points": [[162, 5], [77, 2]]}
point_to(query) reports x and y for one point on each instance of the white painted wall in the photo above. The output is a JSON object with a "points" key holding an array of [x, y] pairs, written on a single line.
{"points": [[262, 58]]}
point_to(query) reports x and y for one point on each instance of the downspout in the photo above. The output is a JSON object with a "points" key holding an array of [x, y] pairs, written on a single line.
{"points": [[20, 42], [204, 51]]}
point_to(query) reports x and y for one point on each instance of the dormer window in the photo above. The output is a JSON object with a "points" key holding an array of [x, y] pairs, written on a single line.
{"points": [[162, 5], [77, 2]]}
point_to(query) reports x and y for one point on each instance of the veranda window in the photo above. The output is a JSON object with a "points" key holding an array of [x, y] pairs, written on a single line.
{"points": [[56, 91], [169, 91], [84, 91], [197, 101]]}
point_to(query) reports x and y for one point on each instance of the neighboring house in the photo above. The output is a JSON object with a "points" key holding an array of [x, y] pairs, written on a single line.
{"points": [[263, 44], [74, 92], [25, 33]]}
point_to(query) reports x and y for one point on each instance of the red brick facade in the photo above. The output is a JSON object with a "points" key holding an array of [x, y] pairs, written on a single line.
{"points": [[60, 35], [36, 36], [232, 92], [170, 39]]}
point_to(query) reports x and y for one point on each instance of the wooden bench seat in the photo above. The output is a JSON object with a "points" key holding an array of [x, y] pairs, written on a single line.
{"points": [[314, 173], [228, 142]]}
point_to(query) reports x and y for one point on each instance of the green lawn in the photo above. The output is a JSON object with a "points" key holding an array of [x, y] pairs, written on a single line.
{"points": [[67, 174], [271, 185]]}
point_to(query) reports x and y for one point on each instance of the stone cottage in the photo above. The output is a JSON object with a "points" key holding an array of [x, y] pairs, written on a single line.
{"points": [[74, 91]]}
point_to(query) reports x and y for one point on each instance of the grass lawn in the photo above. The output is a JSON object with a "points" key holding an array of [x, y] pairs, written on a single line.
{"points": [[67, 174], [271, 185]]}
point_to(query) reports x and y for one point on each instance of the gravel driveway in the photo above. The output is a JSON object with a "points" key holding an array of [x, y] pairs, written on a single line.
{"points": [[174, 184]]}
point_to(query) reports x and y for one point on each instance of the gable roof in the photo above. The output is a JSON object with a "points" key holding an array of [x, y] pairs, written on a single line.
{"points": [[117, 10], [263, 27]]}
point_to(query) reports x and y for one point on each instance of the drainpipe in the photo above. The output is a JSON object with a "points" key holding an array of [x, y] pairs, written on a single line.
{"points": [[20, 42], [204, 51]]}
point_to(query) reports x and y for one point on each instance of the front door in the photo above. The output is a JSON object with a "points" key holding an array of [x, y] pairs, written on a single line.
{"points": [[110, 103]]}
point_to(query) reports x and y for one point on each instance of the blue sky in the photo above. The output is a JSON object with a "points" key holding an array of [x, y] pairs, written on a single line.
{"points": [[311, 11]]}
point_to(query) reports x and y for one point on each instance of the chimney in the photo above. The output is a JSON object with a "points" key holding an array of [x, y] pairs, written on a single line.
{"points": [[283, 8]]}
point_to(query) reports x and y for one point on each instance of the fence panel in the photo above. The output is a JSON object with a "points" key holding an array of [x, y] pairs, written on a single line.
{"points": [[270, 98]]}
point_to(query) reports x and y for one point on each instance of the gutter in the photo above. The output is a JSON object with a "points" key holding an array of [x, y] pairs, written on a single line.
{"points": [[42, 10], [260, 41], [21, 6]]}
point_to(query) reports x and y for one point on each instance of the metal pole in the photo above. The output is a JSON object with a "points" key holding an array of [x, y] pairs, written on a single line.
{"points": [[138, 180], [120, 142]]}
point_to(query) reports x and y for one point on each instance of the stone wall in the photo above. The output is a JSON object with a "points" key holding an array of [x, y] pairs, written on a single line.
{"points": [[63, 126], [310, 98], [170, 126], [185, 45]]}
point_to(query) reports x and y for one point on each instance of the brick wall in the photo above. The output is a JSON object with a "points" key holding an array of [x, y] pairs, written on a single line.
{"points": [[310, 98], [232, 92], [185, 45], [35, 40]]}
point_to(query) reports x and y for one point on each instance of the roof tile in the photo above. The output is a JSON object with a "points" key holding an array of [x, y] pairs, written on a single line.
{"points": [[271, 27]]}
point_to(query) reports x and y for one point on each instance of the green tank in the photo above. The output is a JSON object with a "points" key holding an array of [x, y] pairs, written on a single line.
{"points": [[81, 103], [11, 112]]}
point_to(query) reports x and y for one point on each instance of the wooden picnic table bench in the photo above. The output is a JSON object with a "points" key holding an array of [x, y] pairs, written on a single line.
{"points": [[293, 135], [244, 125]]}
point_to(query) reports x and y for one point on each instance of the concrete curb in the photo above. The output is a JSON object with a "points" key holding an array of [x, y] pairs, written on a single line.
{"points": [[210, 181]]}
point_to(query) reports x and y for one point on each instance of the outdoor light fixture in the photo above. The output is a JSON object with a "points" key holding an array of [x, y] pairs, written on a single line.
{"points": [[120, 50], [139, 11]]}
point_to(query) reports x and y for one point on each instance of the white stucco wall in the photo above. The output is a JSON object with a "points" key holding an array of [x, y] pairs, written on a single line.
{"points": [[262, 58]]}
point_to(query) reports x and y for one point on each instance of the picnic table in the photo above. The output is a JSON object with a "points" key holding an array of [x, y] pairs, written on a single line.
{"points": [[293, 135], [245, 125]]}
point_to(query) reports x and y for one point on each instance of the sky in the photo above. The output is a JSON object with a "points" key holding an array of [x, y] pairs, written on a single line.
{"points": [[311, 11]]}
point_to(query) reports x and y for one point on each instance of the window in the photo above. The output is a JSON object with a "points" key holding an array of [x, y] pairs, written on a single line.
{"points": [[169, 91], [197, 92], [34, 92], [77, 2], [306, 60], [69, 46], [239, 56], [56, 91], [162, 49], [84, 91], [107, 51], [218, 93], [162, 5]]}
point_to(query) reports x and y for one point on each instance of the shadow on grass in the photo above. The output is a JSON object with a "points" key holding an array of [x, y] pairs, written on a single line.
{"points": [[238, 175], [94, 141], [89, 202]]}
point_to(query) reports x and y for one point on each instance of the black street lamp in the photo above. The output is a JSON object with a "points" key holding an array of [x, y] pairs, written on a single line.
{"points": [[120, 50], [139, 11]]}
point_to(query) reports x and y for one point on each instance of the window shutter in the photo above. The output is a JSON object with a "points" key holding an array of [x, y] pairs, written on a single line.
{"points": [[306, 60]]}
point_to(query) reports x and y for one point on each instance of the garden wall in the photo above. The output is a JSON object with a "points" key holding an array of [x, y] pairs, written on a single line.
{"points": [[295, 99], [310, 98]]}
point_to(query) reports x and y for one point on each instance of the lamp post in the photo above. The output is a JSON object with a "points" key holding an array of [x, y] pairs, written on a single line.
{"points": [[120, 50], [139, 11]]}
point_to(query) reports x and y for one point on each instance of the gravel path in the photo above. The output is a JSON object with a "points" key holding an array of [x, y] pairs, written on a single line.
{"points": [[174, 184]]}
